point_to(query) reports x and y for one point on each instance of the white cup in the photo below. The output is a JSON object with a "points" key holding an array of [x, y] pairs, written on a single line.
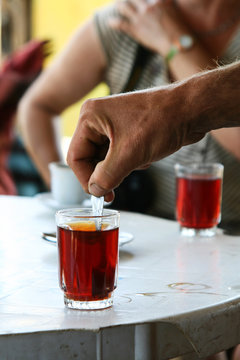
{"points": [[65, 187]]}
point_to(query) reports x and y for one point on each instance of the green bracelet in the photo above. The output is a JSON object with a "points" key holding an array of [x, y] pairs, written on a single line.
{"points": [[170, 55]]}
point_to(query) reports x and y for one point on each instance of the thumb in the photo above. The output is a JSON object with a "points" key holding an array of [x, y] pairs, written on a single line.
{"points": [[107, 175]]}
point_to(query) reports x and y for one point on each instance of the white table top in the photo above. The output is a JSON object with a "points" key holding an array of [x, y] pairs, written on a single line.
{"points": [[188, 289]]}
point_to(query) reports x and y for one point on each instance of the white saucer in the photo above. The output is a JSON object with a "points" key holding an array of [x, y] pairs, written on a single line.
{"points": [[48, 200], [124, 238]]}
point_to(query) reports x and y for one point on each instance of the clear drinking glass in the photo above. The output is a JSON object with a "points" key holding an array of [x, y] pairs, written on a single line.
{"points": [[198, 197], [88, 257]]}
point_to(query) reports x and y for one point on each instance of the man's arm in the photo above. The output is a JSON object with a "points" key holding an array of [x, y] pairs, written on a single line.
{"points": [[118, 134]]}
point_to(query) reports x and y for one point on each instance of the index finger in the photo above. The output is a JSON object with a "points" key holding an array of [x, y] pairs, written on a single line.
{"points": [[88, 146], [80, 158]]}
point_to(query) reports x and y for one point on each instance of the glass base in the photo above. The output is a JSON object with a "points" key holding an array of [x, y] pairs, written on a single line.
{"points": [[190, 232], [88, 305]]}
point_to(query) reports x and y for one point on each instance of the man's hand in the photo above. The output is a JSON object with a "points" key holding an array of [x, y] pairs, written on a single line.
{"points": [[118, 134]]}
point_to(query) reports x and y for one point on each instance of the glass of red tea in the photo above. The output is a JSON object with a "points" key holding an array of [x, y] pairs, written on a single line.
{"points": [[198, 197], [88, 257]]}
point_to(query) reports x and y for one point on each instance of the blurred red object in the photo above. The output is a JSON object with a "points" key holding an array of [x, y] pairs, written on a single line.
{"points": [[16, 74]]}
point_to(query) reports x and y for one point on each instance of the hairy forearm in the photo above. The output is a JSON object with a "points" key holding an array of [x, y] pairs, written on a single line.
{"points": [[159, 121], [182, 113], [210, 100]]}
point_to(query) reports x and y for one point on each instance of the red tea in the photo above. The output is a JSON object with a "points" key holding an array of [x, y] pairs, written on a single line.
{"points": [[198, 202], [87, 261]]}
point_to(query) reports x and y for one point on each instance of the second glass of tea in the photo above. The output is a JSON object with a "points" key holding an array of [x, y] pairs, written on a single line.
{"points": [[198, 197], [88, 257]]}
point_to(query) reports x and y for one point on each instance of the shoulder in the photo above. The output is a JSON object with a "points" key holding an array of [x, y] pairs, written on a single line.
{"points": [[119, 49], [112, 41]]}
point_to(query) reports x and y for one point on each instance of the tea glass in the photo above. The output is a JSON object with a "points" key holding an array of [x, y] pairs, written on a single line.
{"points": [[88, 257], [198, 197]]}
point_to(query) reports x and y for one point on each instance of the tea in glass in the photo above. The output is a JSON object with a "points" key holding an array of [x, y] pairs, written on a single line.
{"points": [[88, 257], [198, 197]]}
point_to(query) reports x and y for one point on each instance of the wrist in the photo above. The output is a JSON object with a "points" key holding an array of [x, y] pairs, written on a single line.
{"points": [[182, 44], [216, 94], [200, 109]]}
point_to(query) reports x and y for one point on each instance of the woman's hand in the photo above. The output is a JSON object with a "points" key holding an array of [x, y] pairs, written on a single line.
{"points": [[155, 24]]}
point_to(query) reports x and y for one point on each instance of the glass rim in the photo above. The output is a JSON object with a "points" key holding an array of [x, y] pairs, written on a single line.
{"points": [[195, 165], [86, 213]]}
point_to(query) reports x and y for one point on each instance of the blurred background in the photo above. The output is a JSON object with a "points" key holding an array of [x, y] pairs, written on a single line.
{"points": [[25, 24], [22, 59], [23, 20]]}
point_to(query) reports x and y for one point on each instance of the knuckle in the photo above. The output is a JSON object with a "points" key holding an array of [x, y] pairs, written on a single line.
{"points": [[71, 156], [88, 106], [69, 159]]}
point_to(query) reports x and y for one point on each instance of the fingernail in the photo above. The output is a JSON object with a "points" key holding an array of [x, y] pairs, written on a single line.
{"points": [[96, 190]]}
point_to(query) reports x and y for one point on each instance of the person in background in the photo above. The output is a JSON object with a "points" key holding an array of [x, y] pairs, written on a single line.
{"points": [[133, 45], [18, 175]]}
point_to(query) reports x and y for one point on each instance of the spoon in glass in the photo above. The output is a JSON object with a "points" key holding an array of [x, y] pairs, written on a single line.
{"points": [[97, 209]]}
